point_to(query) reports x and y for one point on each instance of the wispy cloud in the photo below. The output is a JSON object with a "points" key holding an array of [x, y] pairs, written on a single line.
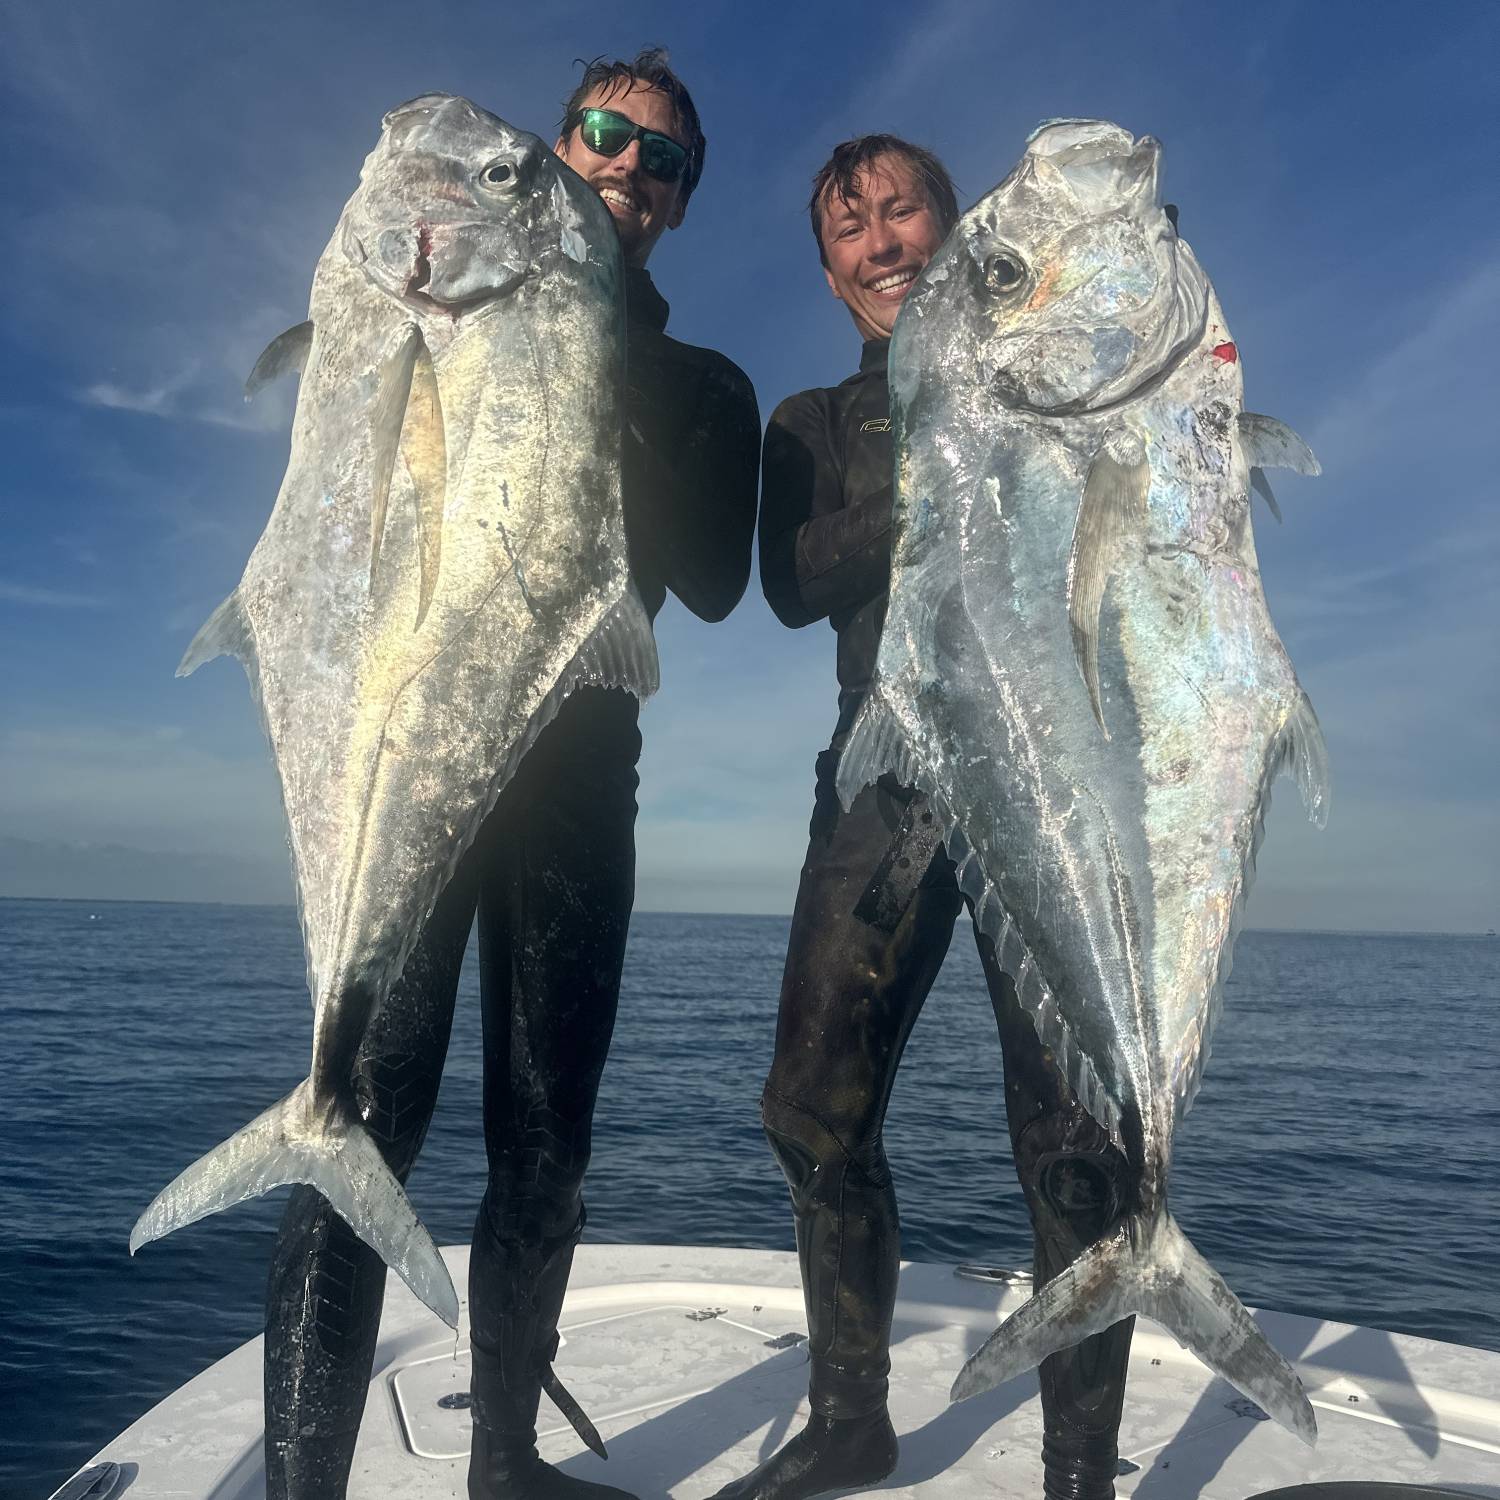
{"points": [[44, 598], [178, 399], [157, 400]]}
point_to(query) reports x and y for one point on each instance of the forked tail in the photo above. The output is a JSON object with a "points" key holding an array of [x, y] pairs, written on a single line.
{"points": [[1145, 1267], [329, 1150]]}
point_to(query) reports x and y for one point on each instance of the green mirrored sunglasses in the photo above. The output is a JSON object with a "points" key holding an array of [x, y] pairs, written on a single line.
{"points": [[607, 134]]}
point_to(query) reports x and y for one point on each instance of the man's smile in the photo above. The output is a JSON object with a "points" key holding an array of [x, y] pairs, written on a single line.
{"points": [[893, 284], [617, 196]]}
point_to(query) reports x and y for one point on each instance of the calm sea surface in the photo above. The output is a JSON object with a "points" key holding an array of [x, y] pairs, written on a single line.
{"points": [[1341, 1159]]}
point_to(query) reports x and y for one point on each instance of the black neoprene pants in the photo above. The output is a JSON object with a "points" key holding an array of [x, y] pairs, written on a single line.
{"points": [[552, 877], [850, 996]]}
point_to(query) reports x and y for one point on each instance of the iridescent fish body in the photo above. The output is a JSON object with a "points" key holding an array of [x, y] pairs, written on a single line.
{"points": [[1079, 668], [446, 560]]}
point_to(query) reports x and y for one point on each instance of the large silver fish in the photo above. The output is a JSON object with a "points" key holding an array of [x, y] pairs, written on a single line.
{"points": [[446, 560], [1079, 668]]}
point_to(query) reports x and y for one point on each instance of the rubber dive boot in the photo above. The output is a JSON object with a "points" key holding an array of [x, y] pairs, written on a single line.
{"points": [[848, 1246], [515, 1297], [1074, 1181]]}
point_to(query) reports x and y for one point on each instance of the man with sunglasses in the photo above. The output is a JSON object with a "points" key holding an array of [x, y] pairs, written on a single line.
{"points": [[552, 876], [876, 906]]}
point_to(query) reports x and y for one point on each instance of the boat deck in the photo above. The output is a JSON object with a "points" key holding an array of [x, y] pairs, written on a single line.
{"points": [[692, 1363]]}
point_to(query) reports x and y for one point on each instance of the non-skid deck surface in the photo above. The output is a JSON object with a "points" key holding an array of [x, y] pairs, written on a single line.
{"points": [[688, 1362]]}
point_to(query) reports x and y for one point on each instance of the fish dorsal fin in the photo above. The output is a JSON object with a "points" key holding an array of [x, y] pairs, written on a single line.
{"points": [[226, 632], [1113, 505], [393, 388], [285, 353], [1262, 487], [1269, 444], [877, 745], [425, 451]]}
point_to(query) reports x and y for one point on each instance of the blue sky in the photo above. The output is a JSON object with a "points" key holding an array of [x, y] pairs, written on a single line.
{"points": [[174, 170]]}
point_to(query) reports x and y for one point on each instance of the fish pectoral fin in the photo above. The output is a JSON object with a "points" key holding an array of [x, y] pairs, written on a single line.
{"points": [[329, 1150], [226, 632], [1269, 444], [424, 448], [1153, 1269], [621, 653], [1262, 487], [285, 353], [388, 416], [1113, 505]]}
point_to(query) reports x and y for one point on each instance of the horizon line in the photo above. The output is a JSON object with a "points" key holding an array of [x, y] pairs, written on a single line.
{"points": [[651, 911]]}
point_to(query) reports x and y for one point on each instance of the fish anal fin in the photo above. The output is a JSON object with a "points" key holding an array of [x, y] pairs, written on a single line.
{"points": [[1270, 444], [425, 451], [226, 632], [621, 653], [1262, 487], [875, 745], [1305, 753], [388, 415], [1113, 504], [285, 353]]}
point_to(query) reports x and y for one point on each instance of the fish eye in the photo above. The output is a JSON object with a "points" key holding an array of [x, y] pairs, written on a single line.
{"points": [[500, 174], [1004, 271]]}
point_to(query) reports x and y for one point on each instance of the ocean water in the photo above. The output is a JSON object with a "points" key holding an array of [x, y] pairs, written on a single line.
{"points": [[1341, 1160]]}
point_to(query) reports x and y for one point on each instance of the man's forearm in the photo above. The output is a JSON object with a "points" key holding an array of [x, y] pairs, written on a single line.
{"points": [[829, 563]]}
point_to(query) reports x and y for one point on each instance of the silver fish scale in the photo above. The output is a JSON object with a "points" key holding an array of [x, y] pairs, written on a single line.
{"points": [[1109, 872]]}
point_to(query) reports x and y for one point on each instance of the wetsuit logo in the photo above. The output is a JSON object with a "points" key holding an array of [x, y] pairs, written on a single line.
{"points": [[876, 424]]}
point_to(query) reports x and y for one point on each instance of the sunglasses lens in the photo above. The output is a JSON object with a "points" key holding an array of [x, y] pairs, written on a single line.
{"points": [[662, 159], [605, 133]]}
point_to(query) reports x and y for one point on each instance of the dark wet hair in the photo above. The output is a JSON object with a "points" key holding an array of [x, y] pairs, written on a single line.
{"points": [[842, 170], [648, 71]]}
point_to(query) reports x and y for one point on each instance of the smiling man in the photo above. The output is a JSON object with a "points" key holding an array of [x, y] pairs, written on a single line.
{"points": [[552, 878], [876, 906]]}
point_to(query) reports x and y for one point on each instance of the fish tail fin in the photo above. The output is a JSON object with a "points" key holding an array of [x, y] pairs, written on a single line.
{"points": [[226, 632], [295, 1141], [1150, 1268]]}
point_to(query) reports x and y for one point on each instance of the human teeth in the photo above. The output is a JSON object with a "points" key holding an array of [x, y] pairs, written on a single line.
{"points": [[890, 283], [613, 195]]}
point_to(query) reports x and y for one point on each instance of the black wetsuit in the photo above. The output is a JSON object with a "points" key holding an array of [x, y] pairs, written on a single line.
{"points": [[855, 981], [552, 877]]}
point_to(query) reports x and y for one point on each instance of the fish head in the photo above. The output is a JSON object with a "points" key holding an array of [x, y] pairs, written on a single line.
{"points": [[1067, 286], [456, 208]]}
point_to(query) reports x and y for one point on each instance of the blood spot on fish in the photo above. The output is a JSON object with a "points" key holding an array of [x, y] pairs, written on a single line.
{"points": [[422, 275], [1226, 352]]}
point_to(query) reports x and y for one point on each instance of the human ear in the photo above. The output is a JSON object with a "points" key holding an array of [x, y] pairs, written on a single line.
{"points": [[832, 285]]}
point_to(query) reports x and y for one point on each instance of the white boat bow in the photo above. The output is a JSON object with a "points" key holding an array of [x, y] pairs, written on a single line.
{"points": [[692, 1362]]}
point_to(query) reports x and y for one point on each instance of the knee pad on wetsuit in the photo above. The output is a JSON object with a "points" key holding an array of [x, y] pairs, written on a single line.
{"points": [[1075, 1179], [807, 1151]]}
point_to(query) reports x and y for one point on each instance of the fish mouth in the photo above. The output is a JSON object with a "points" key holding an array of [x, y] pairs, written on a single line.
{"points": [[415, 294]]}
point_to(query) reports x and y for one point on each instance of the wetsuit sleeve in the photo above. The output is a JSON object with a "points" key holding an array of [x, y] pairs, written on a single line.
{"points": [[691, 454], [818, 554]]}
